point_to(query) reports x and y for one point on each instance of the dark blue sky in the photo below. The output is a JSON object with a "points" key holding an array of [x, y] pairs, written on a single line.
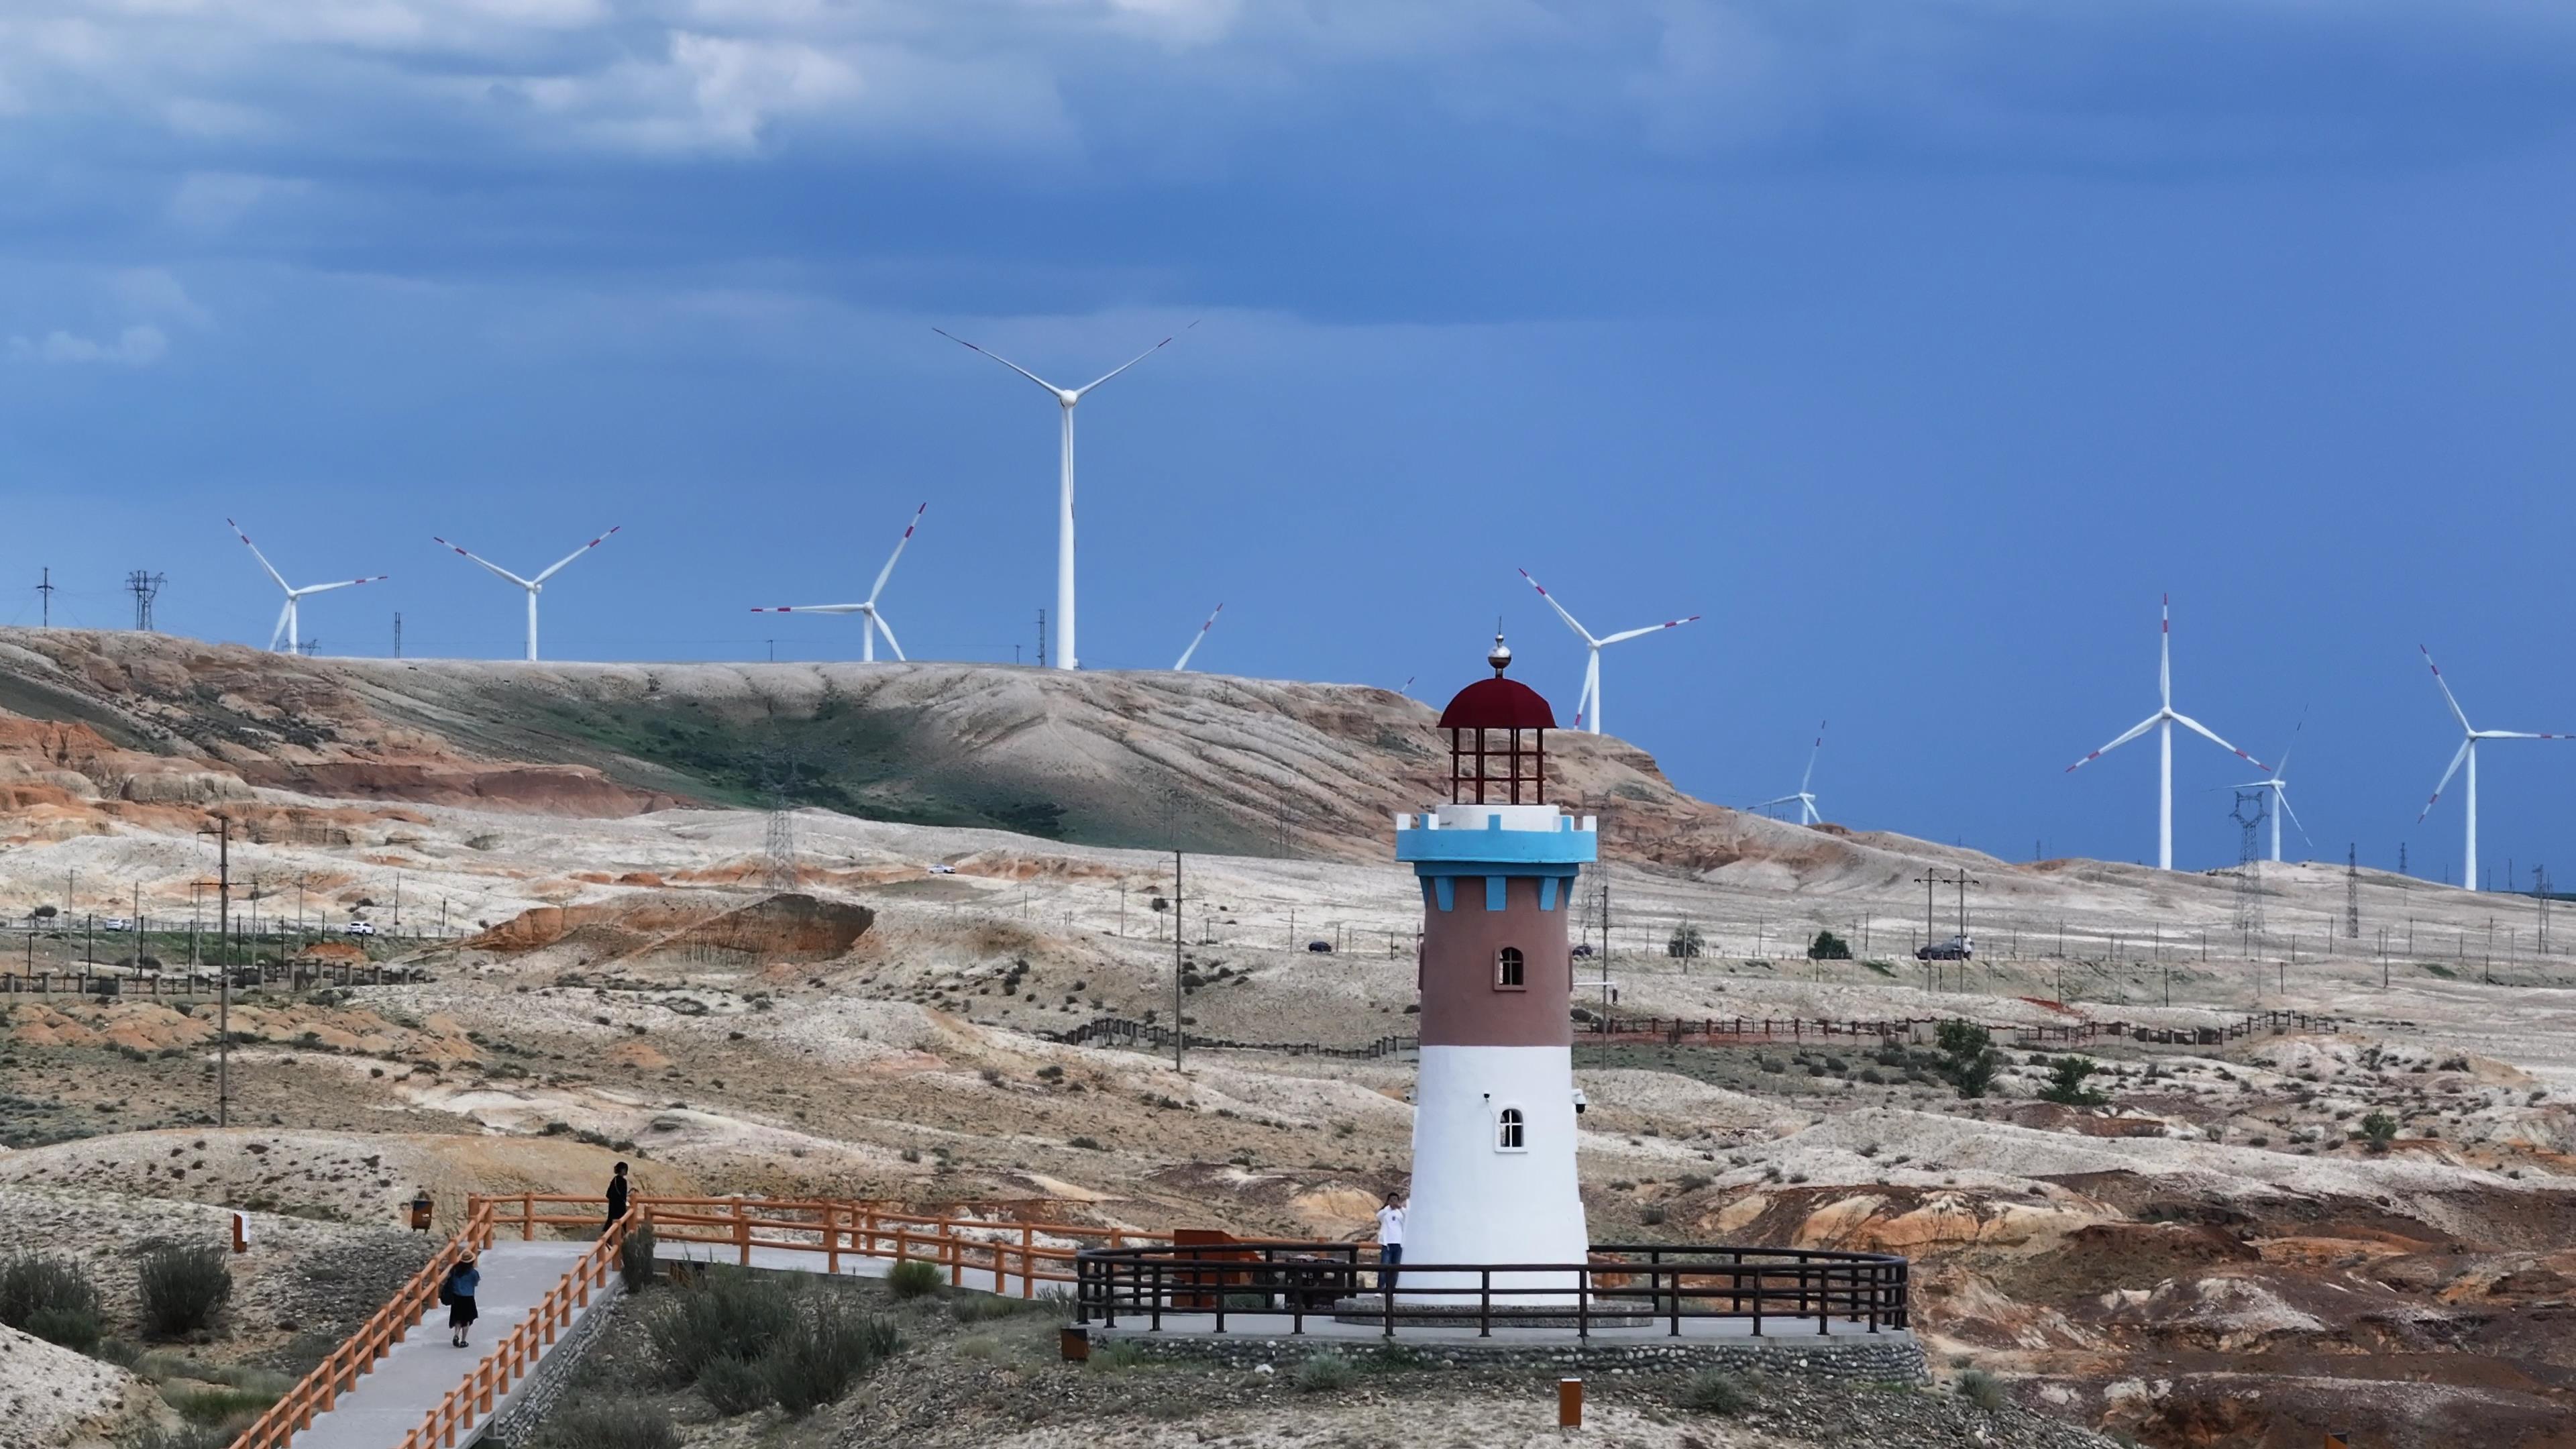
{"points": [[1920, 348]]}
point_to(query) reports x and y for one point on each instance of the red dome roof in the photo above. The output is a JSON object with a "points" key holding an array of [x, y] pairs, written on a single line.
{"points": [[1498, 704]]}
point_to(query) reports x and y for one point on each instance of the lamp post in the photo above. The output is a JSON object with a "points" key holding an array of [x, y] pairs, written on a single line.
{"points": [[223, 833]]}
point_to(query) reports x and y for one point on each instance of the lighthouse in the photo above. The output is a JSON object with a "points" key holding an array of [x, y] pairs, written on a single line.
{"points": [[1494, 1100]]}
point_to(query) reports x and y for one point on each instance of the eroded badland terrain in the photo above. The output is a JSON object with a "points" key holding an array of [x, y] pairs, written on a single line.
{"points": [[2250, 1239]]}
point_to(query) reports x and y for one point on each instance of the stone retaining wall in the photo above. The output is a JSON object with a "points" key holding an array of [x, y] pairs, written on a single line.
{"points": [[544, 1387]]}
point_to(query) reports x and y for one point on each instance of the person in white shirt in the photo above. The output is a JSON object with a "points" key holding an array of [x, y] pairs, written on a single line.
{"points": [[1390, 1241]]}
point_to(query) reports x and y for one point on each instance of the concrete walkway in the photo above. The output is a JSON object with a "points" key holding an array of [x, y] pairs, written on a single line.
{"points": [[1782, 1333], [423, 1369]]}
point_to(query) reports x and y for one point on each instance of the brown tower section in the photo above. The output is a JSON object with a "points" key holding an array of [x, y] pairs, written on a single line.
{"points": [[1473, 992]]}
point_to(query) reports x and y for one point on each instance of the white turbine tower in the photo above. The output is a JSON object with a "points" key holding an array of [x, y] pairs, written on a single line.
{"points": [[1587, 710], [1199, 638], [536, 585], [2163, 721], [2468, 753], [2278, 782], [1066, 399], [874, 619], [1805, 798], [288, 618]]}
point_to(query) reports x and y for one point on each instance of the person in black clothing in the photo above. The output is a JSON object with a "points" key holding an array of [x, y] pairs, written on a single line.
{"points": [[458, 1294], [616, 1197]]}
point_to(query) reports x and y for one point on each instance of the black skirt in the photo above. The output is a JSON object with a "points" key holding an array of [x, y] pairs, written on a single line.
{"points": [[460, 1313]]}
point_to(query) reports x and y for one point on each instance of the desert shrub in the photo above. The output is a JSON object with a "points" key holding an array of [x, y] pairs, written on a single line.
{"points": [[1828, 947], [1685, 944], [1969, 1058], [1115, 1355], [221, 1405], [831, 1348], [985, 1307], [635, 1257], [183, 1288], [608, 1423], [1981, 1389], [720, 1312], [51, 1298], [2066, 1083], [1715, 1391], [1325, 1373], [2379, 1129], [186, 1436], [913, 1278], [733, 1385]]}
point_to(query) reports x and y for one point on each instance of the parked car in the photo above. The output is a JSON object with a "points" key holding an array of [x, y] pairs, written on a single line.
{"points": [[1325, 947], [359, 928], [116, 923], [1582, 951], [1957, 948], [943, 870]]}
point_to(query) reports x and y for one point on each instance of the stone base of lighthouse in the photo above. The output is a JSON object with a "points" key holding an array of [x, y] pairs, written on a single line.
{"points": [[1481, 1197]]}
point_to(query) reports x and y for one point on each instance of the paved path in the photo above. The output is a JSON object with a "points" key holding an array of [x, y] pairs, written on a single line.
{"points": [[423, 1369]]}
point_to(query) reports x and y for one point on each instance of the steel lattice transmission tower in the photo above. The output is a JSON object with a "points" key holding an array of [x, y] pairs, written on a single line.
{"points": [[2352, 892], [2251, 808], [145, 585], [778, 846]]}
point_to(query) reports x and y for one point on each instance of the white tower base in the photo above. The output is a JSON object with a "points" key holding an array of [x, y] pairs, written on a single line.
{"points": [[1478, 1201]]}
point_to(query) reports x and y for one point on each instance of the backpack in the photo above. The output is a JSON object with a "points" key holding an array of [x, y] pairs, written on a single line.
{"points": [[447, 1291]]}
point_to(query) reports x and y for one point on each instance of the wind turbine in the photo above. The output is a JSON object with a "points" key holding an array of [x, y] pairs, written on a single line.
{"points": [[1199, 638], [288, 617], [1066, 398], [874, 620], [2469, 753], [536, 585], [2163, 721], [1806, 799], [1590, 704], [2278, 782]]}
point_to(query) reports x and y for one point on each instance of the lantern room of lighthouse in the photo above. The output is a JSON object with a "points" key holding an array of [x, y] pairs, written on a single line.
{"points": [[1494, 1102]]}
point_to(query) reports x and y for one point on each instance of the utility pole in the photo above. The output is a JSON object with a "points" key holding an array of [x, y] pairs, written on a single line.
{"points": [[397, 633], [2352, 892], [223, 833], [1177, 1032], [1042, 639], [45, 591]]}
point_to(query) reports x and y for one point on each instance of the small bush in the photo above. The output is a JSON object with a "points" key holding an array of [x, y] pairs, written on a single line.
{"points": [[1116, 1355], [2379, 1129], [733, 1385], [722, 1312], [1828, 947], [1970, 1060], [2066, 1083], [913, 1278], [221, 1406], [186, 1436], [1715, 1391], [183, 1288], [51, 1298], [608, 1423], [635, 1258], [1325, 1373], [830, 1349], [1981, 1389]]}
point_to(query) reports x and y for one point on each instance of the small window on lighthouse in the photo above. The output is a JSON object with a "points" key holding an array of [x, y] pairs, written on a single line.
{"points": [[1508, 1131], [1507, 969]]}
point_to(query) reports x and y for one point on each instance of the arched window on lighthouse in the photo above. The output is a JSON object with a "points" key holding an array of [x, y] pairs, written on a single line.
{"points": [[1509, 970], [1510, 1132]]}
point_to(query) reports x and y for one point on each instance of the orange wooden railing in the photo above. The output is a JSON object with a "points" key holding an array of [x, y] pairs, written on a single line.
{"points": [[514, 1356], [1033, 1252], [339, 1372]]}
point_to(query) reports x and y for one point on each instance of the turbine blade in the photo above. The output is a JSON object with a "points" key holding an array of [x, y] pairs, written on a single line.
{"points": [[2519, 735], [263, 558], [2164, 654], [2141, 727], [1130, 362], [887, 572], [1195, 639], [339, 584], [2284, 797], [812, 609], [2436, 797], [485, 562], [2202, 730], [1560, 613], [576, 553], [889, 633], [1649, 629], [1767, 804], [1006, 362], [284, 611], [2447, 697], [1809, 778]]}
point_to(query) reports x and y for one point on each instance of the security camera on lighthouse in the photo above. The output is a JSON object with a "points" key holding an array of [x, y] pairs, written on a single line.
{"points": [[1495, 1105]]}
